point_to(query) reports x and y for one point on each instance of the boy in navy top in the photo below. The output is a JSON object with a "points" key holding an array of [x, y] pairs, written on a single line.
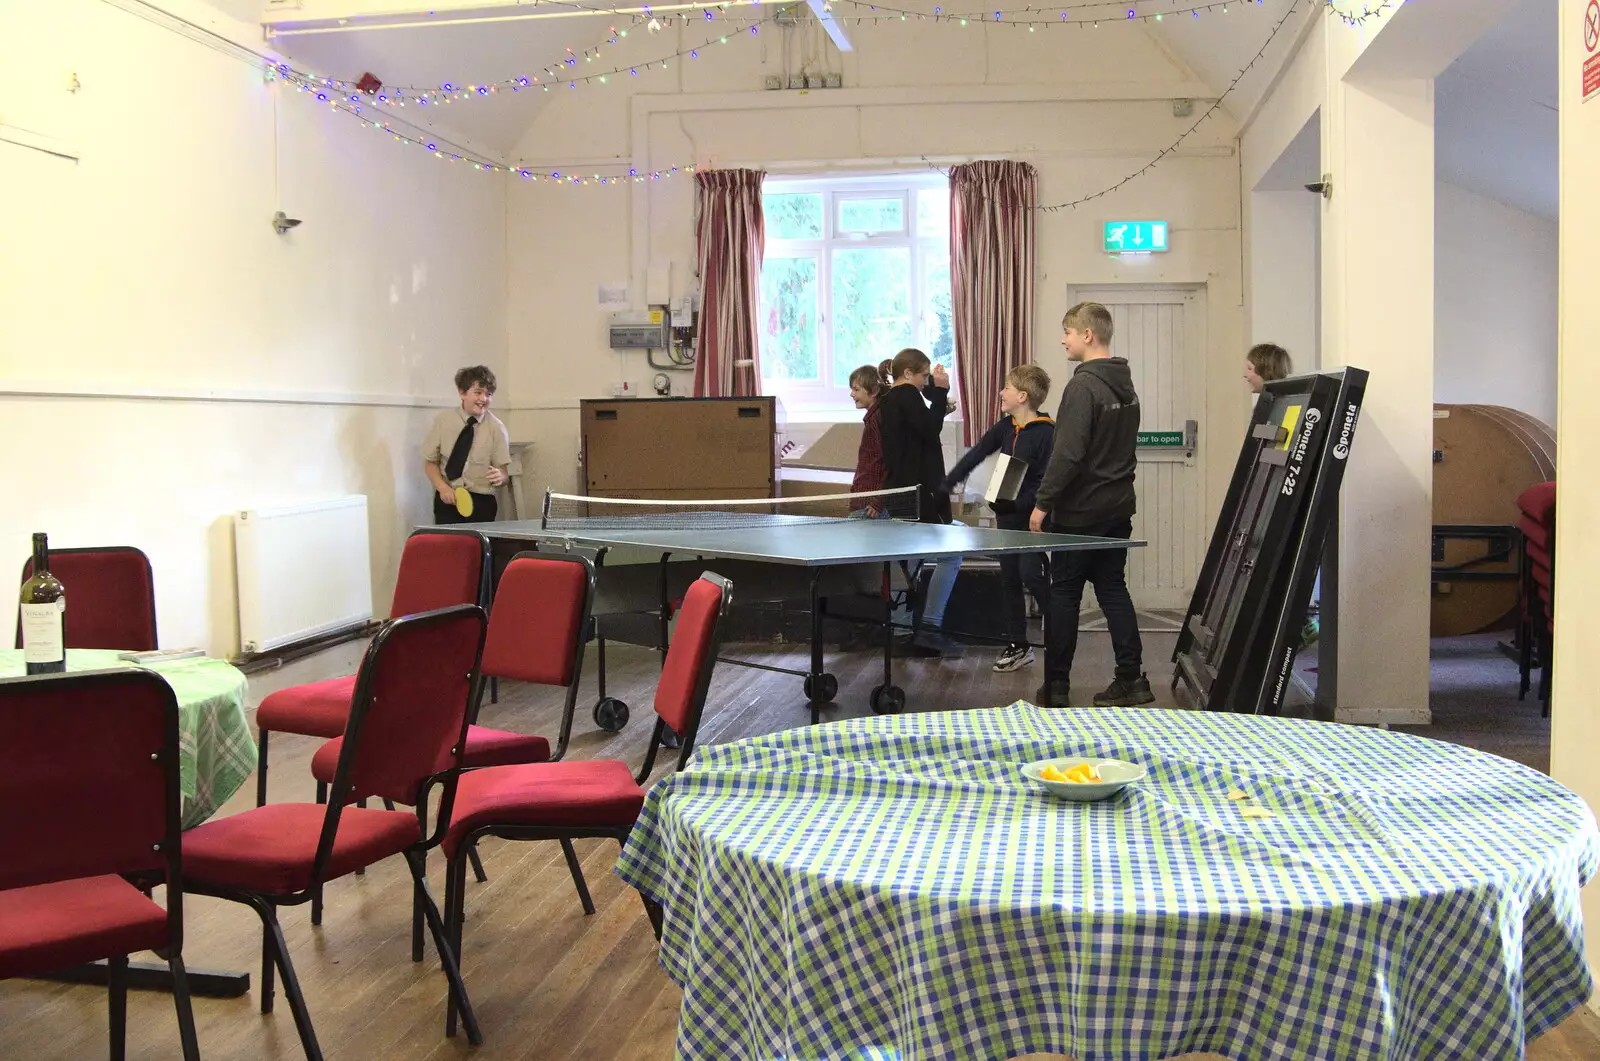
{"points": [[1023, 433]]}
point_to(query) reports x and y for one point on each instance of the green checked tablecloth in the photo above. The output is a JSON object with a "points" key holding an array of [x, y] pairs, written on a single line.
{"points": [[215, 749], [893, 888]]}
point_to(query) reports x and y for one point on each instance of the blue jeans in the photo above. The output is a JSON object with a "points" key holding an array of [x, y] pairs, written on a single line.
{"points": [[940, 585]]}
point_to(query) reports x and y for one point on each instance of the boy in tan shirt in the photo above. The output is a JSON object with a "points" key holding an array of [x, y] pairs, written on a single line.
{"points": [[467, 447]]}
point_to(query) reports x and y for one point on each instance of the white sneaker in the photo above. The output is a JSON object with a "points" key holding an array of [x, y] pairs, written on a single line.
{"points": [[1015, 657]]}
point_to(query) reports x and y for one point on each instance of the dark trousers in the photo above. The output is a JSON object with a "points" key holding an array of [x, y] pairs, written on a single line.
{"points": [[484, 508], [1019, 572], [1106, 570]]}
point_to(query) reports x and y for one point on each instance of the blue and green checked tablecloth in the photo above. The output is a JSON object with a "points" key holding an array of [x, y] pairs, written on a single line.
{"points": [[893, 888], [215, 749]]}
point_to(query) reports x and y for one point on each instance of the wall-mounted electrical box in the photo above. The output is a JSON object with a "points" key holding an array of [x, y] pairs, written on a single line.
{"points": [[640, 330]]}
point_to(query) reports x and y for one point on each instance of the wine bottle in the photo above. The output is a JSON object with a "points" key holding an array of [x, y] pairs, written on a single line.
{"points": [[44, 608]]}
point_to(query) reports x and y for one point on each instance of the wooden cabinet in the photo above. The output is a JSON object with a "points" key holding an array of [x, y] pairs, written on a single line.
{"points": [[679, 448]]}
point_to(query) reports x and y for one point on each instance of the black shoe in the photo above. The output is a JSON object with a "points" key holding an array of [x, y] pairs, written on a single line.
{"points": [[926, 644], [1053, 694], [1126, 692]]}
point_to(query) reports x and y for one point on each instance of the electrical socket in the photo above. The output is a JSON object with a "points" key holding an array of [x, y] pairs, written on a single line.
{"points": [[813, 81], [773, 82], [832, 80], [797, 81]]}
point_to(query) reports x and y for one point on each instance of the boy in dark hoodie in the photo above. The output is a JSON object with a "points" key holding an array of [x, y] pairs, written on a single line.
{"points": [[1088, 489], [1023, 433]]}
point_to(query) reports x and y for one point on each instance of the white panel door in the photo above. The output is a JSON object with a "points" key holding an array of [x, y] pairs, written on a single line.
{"points": [[1161, 331]]}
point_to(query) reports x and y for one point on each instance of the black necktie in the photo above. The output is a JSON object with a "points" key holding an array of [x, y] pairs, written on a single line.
{"points": [[458, 453]]}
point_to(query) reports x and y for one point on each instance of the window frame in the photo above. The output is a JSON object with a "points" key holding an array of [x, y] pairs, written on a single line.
{"points": [[823, 399]]}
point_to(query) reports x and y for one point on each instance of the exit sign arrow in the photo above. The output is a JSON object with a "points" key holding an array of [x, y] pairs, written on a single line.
{"points": [[1134, 237]]}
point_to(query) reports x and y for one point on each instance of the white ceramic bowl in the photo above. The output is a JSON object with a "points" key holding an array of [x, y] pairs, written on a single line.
{"points": [[1114, 773]]}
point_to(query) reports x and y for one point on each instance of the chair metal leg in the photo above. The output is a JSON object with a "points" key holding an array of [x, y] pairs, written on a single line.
{"points": [[477, 864], [455, 878], [273, 933], [316, 900], [180, 999], [117, 1004], [577, 876], [261, 768], [416, 919], [447, 955], [268, 969]]}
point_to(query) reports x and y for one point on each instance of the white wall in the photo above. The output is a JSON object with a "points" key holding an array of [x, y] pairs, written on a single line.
{"points": [[1087, 108], [165, 357], [1574, 710], [1494, 304]]}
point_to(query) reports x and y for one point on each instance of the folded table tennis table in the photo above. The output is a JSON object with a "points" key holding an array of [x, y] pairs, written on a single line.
{"points": [[767, 556]]}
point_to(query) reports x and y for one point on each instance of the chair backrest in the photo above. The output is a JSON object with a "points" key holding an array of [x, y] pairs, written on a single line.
{"points": [[94, 758], [439, 567], [408, 715], [112, 595], [537, 631], [691, 657]]}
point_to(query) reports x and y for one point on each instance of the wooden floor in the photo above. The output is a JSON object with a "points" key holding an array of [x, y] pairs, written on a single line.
{"points": [[548, 983]]}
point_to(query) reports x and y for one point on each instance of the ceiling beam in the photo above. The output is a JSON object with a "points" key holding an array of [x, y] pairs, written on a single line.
{"points": [[824, 14]]}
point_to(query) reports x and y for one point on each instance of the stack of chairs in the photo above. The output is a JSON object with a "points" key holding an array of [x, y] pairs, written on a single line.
{"points": [[1536, 612]]}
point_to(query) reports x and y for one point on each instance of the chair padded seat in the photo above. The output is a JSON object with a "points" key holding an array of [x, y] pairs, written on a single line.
{"points": [[571, 794], [269, 850], [1539, 501], [50, 926], [485, 747], [499, 747], [317, 709]]}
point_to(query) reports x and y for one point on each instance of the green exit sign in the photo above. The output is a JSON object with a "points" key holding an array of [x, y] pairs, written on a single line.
{"points": [[1132, 237]]}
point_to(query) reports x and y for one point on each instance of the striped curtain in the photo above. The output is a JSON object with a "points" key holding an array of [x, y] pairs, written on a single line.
{"points": [[991, 281], [729, 237]]}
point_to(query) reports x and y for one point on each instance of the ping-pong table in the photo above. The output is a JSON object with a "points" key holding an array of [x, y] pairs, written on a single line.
{"points": [[768, 557]]}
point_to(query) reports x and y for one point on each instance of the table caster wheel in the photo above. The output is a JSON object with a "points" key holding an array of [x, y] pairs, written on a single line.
{"points": [[887, 700], [611, 714], [828, 689]]}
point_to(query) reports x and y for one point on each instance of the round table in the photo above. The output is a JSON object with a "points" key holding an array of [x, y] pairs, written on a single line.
{"points": [[216, 750], [893, 888]]}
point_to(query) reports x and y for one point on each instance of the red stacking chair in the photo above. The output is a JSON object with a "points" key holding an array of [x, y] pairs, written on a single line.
{"points": [[94, 759], [440, 566], [1536, 613], [574, 799], [113, 597], [536, 634], [407, 722]]}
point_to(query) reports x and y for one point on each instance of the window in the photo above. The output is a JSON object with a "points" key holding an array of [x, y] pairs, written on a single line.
{"points": [[855, 270]]}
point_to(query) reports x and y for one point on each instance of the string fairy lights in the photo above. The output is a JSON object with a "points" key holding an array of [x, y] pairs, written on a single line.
{"points": [[367, 108], [1172, 148]]}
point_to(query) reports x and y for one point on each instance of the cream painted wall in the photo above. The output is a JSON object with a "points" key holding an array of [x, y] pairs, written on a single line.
{"points": [[165, 357], [1086, 108], [1574, 711], [1284, 274], [1375, 304], [1494, 304]]}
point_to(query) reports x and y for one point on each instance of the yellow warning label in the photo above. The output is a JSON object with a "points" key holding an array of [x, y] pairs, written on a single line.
{"points": [[1291, 420]]}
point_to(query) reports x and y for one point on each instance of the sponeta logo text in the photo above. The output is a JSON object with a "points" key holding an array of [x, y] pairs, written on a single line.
{"points": [[1341, 449]]}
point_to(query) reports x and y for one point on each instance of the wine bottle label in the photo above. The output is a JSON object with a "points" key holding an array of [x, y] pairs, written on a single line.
{"points": [[41, 633]]}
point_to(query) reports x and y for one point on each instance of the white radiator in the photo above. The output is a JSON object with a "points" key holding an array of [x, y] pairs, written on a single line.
{"points": [[303, 570]]}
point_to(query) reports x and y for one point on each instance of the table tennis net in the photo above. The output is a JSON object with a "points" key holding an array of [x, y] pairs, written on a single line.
{"points": [[571, 511]]}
